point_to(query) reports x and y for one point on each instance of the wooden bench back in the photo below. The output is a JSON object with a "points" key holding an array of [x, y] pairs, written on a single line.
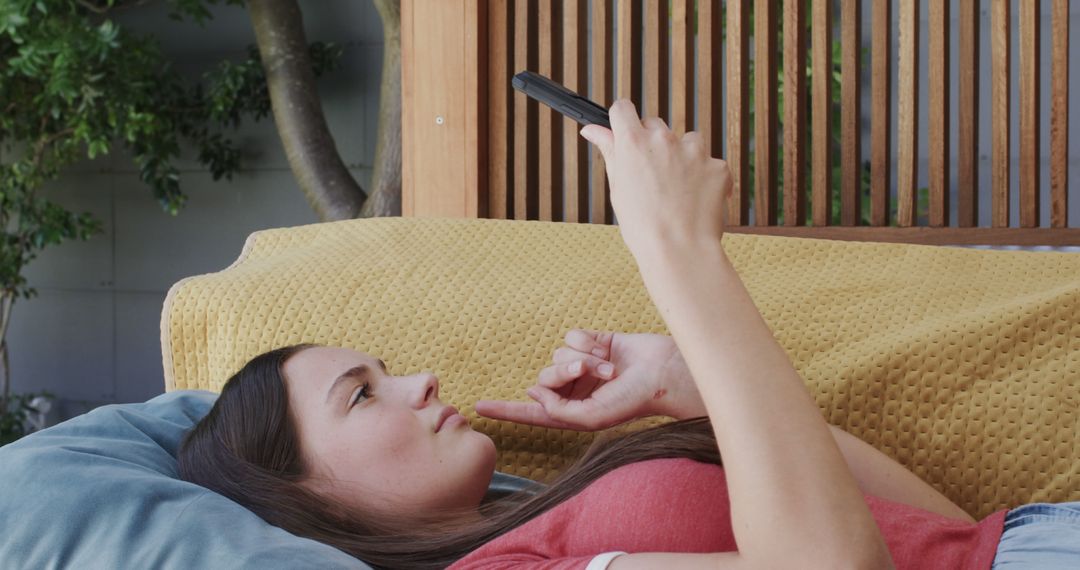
{"points": [[472, 146]]}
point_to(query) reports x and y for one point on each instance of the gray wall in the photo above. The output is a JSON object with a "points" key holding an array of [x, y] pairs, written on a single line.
{"points": [[91, 335]]}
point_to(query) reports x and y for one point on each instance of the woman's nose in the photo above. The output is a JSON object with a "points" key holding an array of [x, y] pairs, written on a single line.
{"points": [[426, 389]]}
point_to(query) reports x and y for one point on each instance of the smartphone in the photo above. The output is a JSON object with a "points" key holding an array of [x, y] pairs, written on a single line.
{"points": [[561, 99]]}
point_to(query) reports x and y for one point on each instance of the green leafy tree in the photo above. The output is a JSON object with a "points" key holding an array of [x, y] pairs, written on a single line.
{"points": [[74, 84]]}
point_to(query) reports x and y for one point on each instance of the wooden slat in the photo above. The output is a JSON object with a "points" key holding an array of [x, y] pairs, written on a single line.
{"points": [[967, 139], [938, 125], [999, 116], [500, 94], [1028, 74], [629, 52], [765, 26], [709, 74], [600, 92], [682, 62], [850, 128], [738, 111], [794, 112], [435, 183], [1059, 118], [549, 17], [907, 112], [575, 77], [476, 102], [525, 114], [410, 57], [821, 153], [880, 131], [656, 59], [926, 235]]}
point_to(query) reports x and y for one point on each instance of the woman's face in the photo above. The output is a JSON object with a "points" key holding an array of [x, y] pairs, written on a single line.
{"points": [[378, 448]]}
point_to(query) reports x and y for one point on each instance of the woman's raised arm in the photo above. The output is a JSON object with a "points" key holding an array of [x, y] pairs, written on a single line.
{"points": [[794, 502]]}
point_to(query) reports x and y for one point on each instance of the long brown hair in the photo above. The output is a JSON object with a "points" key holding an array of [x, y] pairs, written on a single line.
{"points": [[247, 449]]}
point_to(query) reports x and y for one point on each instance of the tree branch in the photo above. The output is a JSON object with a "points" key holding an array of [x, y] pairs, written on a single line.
{"points": [[43, 144], [313, 156], [385, 196], [98, 9], [93, 7]]}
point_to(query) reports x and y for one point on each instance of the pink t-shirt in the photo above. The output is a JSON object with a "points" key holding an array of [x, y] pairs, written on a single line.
{"points": [[681, 505]]}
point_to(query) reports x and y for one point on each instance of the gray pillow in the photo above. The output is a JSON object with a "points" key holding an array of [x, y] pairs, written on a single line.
{"points": [[101, 491]]}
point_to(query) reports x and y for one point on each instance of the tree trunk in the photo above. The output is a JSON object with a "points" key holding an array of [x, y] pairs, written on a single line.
{"points": [[7, 301], [385, 196], [313, 156]]}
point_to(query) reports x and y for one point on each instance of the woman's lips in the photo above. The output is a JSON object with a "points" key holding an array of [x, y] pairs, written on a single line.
{"points": [[446, 413], [455, 420]]}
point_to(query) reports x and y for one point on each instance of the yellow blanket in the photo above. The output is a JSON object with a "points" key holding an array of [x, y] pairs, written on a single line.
{"points": [[963, 365]]}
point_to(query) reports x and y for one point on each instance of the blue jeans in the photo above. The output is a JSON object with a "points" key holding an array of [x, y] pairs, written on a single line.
{"points": [[1040, 535]]}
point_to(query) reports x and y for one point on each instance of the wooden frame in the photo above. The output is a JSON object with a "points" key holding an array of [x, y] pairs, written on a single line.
{"points": [[473, 147]]}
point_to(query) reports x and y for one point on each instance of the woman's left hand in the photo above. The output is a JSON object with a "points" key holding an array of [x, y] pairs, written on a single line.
{"points": [[648, 378]]}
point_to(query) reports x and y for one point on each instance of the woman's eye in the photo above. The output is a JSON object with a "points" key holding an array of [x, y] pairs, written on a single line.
{"points": [[364, 391]]}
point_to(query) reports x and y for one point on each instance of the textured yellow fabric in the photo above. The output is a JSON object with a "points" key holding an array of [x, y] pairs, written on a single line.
{"points": [[963, 365]]}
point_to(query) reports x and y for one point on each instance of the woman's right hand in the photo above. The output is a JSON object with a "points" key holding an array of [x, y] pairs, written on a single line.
{"points": [[663, 187], [649, 378]]}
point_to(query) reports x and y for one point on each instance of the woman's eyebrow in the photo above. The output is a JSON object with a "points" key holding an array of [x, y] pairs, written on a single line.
{"points": [[362, 372]]}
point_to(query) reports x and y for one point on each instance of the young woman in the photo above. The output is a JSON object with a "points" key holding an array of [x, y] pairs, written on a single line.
{"points": [[327, 444]]}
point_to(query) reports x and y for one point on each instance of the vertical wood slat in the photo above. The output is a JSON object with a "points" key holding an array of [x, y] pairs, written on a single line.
{"points": [[765, 26], [682, 60], [999, 116], [880, 133], [549, 16], [850, 128], [794, 20], [738, 111], [476, 103], [575, 76], [499, 97], [709, 73], [409, 61], [821, 152], [656, 60], [525, 112], [600, 92], [629, 48], [907, 112], [967, 139], [938, 125], [1028, 76], [435, 183], [1059, 118]]}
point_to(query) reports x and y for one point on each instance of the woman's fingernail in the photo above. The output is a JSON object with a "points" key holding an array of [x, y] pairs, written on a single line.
{"points": [[599, 352], [605, 369]]}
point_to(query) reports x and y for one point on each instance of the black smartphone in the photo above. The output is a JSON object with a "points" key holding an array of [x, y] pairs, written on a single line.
{"points": [[561, 99]]}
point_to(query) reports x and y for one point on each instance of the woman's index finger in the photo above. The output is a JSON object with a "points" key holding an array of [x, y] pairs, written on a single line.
{"points": [[529, 413], [623, 117]]}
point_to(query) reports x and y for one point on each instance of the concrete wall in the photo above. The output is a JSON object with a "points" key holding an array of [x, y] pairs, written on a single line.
{"points": [[91, 335]]}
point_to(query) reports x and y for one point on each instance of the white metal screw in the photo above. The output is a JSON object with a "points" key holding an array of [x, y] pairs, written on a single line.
{"points": [[438, 119]]}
